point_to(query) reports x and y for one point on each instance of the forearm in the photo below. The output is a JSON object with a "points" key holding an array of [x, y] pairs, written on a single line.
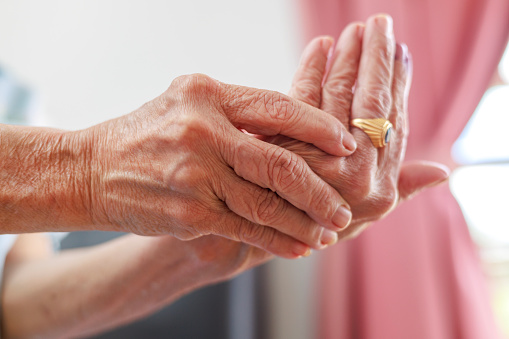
{"points": [[44, 184], [81, 292]]}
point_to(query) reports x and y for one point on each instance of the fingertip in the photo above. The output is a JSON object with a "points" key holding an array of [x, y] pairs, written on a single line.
{"points": [[308, 253], [416, 176], [383, 21], [300, 249], [356, 27], [344, 144], [342, 218], [442, 172], [401, 52], [326, 43], [360, 30], [349, 142]]}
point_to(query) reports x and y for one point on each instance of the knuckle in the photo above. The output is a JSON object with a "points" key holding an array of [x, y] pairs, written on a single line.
{"points": [[322, 201], [194, 84], [361, 174], [253, 235], [185, 178], [361, 184], [380, 201], [325, 166], [305, 90], [377, 99], [278, 106], [268, 238], [187, 133], [284, 169], [269, 208], [380, 52], [339, 92]]}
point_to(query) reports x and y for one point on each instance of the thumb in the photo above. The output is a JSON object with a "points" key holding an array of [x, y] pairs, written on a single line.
{"points": [[414, 176]]}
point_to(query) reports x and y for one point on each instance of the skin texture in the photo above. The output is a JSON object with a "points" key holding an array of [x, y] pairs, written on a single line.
{"points": [[375, 84], [86, 291], [180, 165]]}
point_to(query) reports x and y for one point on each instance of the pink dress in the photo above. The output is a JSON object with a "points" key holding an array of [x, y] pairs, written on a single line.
{"points": [[417, 274]]}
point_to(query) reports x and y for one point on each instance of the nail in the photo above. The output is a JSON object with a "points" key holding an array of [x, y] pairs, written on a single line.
{"points": [[301, 250], [384, 22], [360, 31], [408, 63], [327, 43], [328, 238], [349, 142], [342, 217], [402, 53]]}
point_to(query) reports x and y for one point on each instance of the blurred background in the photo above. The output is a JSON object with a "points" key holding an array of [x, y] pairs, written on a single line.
{"points": [[78, 63]]}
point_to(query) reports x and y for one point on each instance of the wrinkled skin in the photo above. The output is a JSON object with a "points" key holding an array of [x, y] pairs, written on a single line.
{"points": [[368, 179], [180, 165], [373, 181]]}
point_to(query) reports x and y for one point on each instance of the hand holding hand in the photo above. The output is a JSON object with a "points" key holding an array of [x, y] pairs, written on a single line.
{"points": [[373, 180], [180, 165]]}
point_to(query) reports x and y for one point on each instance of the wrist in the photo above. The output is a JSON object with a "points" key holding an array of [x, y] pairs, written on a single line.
{"points": [[44, 180], [201, 266]]}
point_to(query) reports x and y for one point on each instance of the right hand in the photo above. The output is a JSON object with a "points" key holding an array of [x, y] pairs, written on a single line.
{"points": [[180, 165]]}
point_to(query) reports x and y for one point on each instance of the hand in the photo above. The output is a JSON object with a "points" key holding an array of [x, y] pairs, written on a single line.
{"points": [[180, 165], [370, 77], [373, 183]]}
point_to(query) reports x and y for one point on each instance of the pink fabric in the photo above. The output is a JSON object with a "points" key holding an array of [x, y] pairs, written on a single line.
{"points": [[417, 274]]}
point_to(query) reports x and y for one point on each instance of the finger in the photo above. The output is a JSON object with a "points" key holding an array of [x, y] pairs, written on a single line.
{"points": [[307, 82], [288, 175], [400, 89], [265, 208], [372, 98], [337, 92], [240, 229], [271, 113], [415, 176], [402, 79]]}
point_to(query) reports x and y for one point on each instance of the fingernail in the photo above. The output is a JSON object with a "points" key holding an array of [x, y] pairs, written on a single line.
{"points": [[342, 217], [327, 43], [301, 250], [408, 62], [384, 22], [360, 31], [349, 142], [328, 238], [402, 53]]}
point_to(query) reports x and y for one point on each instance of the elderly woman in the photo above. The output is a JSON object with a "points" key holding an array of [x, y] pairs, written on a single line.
{"points": [[180, 166]]}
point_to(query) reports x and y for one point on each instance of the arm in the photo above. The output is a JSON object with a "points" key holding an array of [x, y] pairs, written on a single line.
{"points": [[43, 181], [85, 291], [179, 165]]}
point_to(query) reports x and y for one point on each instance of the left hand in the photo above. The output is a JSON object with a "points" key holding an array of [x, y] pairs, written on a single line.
{"points": [[369, 77]]}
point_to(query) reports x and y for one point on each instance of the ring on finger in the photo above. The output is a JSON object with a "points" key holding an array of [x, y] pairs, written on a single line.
{"points": [[379, 130]]}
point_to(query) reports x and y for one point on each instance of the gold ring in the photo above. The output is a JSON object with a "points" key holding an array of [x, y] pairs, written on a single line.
{"points": [[378, 130]]}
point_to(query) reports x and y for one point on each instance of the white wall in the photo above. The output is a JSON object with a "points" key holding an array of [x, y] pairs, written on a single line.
{"points": [[93, 60]]}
